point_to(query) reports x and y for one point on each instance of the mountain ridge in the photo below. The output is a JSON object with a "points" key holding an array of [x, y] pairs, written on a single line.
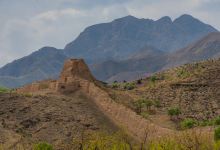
{"points": [[205, 48], [140, 32], [42, 64]]}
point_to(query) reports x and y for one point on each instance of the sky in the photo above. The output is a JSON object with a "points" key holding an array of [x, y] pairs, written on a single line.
{"points": [[28, 25]]}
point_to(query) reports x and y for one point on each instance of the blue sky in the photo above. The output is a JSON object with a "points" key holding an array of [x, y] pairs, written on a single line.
{"points": [[27, 25]]}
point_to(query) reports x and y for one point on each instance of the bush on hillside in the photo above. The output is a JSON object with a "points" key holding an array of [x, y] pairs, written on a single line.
{"points": [[115, 85], [144, 115], [217, 121], [139, 105], [153, 78], [206, 123], [182, 73], [157, 103], [188, 123], [174, 111], [217, 134], [148, 104], [129, 86], [43, 146]]}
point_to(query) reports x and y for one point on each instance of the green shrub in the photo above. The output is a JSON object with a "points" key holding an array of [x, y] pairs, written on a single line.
{"points": [[217, 134], [188, 123], [174, 112], [129, 86], [139, 104], [115, 85], [182, 73], [148, 104], [43, 146], [153, 78], [206, 123], [157, 103], [217, 121], [144, 115]]}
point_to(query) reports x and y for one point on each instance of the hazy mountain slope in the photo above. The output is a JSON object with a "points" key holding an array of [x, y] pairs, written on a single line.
{"points": [[125, 36], [147, 60], [143, 62], [42, 64], [205, 48]]}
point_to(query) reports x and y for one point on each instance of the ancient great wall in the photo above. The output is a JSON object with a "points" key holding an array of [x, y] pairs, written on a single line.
{"points": [[76, 76]]}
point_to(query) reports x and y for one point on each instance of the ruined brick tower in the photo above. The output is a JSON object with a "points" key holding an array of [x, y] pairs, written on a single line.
{"points": [[75, 75]]}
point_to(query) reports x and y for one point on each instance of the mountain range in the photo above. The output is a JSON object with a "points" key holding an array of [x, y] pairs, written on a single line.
{"points": [[124, 49], [136, 67], [42, 64]]}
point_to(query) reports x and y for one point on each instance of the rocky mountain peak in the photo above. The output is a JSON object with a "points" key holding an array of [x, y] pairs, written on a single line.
{"points": [[184, 17], [165, 19], [127, 18]]}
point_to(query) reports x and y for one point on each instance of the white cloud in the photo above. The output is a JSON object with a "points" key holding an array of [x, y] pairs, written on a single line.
{"points": [[51, 28], [27, 25]]}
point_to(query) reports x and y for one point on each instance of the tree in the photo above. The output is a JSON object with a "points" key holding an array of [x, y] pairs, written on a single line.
{"points": [[143, 103]]}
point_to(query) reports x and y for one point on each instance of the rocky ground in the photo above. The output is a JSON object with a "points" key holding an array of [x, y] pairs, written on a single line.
{"points": [[56, 119]]}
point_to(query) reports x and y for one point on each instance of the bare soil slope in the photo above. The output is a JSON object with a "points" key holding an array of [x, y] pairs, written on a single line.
{"points": [[56, 119]]}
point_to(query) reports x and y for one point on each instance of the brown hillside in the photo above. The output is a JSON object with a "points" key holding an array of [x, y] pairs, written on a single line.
{"points": [[194, 88], [57, 111], [53, 118], [62, 100]]}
